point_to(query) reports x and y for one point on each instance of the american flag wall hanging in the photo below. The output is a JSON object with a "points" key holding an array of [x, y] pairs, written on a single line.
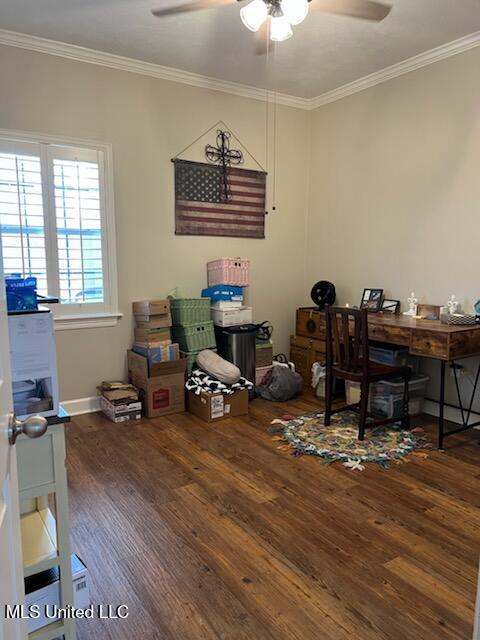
{"points": [[203, 209]]}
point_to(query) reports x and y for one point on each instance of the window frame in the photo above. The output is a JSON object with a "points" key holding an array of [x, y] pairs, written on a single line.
{"points": [[79, 315]]}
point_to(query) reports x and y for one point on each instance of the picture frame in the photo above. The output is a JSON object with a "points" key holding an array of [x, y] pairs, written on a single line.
{"points": [[429, 311], [372, 300], [390, 306]]}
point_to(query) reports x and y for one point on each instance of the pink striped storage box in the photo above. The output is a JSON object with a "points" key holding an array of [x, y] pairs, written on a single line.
{"points": [[233, 271]]}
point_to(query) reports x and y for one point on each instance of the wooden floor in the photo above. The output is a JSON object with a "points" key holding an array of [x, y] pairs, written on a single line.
{"points": [[212, 532]]}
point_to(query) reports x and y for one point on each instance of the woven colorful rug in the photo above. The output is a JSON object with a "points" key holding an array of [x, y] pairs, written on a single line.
{"points": [[382, 445]]}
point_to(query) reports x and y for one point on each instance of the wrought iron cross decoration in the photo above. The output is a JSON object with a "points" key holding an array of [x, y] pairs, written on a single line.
{"points": [[225, 157]]}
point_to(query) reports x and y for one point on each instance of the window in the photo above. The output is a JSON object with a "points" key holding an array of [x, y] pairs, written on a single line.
{"points": [[56, 223]]}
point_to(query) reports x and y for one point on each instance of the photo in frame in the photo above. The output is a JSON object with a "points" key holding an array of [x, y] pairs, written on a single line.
{"points": [[390, 306], [429, 311], [372, 299]]}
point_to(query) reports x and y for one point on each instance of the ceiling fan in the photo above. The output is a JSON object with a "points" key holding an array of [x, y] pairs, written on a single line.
{"points": [[276, 17]]}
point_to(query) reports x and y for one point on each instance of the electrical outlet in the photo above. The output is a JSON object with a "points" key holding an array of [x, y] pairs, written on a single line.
{"points": [[458, 368]]}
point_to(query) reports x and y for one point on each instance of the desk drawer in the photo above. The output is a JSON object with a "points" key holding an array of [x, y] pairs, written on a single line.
{"points": [[301, 360], [385, 333], [429, 344], [310, 324], [307, 343], [303, 353], [465, 343]]}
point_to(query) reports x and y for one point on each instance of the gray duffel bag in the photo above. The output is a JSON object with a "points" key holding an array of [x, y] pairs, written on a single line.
{"points": [[284, 385]]}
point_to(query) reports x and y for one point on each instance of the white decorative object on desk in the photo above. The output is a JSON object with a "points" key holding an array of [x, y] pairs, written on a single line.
{"points": [[412, 305], [452, 305]]}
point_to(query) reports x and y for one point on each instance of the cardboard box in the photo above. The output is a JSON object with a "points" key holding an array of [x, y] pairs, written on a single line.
{"points": [[232, 317], [153, 345], [263, 354], [151, 308], [154, 322], [163, 395], [213, 407], [43, 589], [143, 368], [121, 412], [161, 385], [114, 391], [158, 354], [153, 335], [221, 305], [33, 364]]}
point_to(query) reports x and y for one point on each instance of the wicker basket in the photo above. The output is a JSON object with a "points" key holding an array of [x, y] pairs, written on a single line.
{"points": [[190, 310], [458, 319], [232, 271], [195, 337]]}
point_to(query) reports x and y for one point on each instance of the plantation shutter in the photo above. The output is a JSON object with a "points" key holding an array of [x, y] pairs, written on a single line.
{"points": [[57, 225], [22, 221], [78, 222]]}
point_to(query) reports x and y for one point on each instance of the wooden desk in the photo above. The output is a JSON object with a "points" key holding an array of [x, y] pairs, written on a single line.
{"points": [[424, 338]]}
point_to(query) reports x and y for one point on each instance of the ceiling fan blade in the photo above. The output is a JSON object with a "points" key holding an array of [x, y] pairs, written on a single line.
{"points": [[196, 5], [366, 9], [263, 44]]}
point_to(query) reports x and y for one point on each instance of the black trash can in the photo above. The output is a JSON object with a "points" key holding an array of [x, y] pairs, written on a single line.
{"points": [[237, 345]]}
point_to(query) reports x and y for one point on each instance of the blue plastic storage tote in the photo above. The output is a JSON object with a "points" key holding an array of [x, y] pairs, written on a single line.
{"points": [[220, 292]]}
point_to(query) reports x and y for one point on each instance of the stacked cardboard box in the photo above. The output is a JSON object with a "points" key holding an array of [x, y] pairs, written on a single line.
{"points": [[153, 322], [213, 407], [153, 335], [263, 360], [119, 401], [161, 385], [228, 310], [227, 305], [227, 279], [154, 363]]}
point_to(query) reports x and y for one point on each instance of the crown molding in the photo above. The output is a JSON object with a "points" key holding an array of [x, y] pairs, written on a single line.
{"points": [[121, 63], [399, 69]]}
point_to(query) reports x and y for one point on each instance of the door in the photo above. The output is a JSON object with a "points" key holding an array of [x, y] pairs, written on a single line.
{"points": [[476, 629], [11, 572]]}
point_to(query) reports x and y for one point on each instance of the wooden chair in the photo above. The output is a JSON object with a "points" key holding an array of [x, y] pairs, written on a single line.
{"points": [[347, 358]]}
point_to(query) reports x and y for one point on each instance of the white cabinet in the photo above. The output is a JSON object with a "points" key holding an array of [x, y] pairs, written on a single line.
{"points": [[45, 527]]}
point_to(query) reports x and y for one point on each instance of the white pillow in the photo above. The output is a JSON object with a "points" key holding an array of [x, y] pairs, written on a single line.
{"points": [[217, 367]]}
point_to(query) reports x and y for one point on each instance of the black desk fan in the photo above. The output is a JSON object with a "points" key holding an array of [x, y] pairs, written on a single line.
{"points": [[323, 293]]}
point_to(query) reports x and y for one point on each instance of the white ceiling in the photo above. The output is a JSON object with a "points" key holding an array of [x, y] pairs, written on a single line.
{"points": [[325, 52]]}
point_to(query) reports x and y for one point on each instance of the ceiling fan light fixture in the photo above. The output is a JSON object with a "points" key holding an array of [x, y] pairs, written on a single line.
{"points": [[280, 29], [295, 10], [254, 14]]}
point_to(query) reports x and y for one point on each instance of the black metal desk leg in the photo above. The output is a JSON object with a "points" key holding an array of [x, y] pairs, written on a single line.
{"points": [[441, 421]]}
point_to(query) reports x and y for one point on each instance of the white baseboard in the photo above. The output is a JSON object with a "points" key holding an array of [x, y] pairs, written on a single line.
{"points": [[81, 405], [92, 404], [433, 409], [451, 414]]}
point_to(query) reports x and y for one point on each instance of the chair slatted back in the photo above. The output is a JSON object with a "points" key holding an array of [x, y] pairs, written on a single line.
{"points": [[347, 339]]}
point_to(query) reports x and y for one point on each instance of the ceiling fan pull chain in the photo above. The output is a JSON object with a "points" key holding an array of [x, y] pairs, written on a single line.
{"points": [[267, 97], [274, 206]]}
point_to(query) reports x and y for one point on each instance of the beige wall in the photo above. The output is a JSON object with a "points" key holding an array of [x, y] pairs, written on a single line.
{"points": [[148, 121], [379, 189], [395, 198]]}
